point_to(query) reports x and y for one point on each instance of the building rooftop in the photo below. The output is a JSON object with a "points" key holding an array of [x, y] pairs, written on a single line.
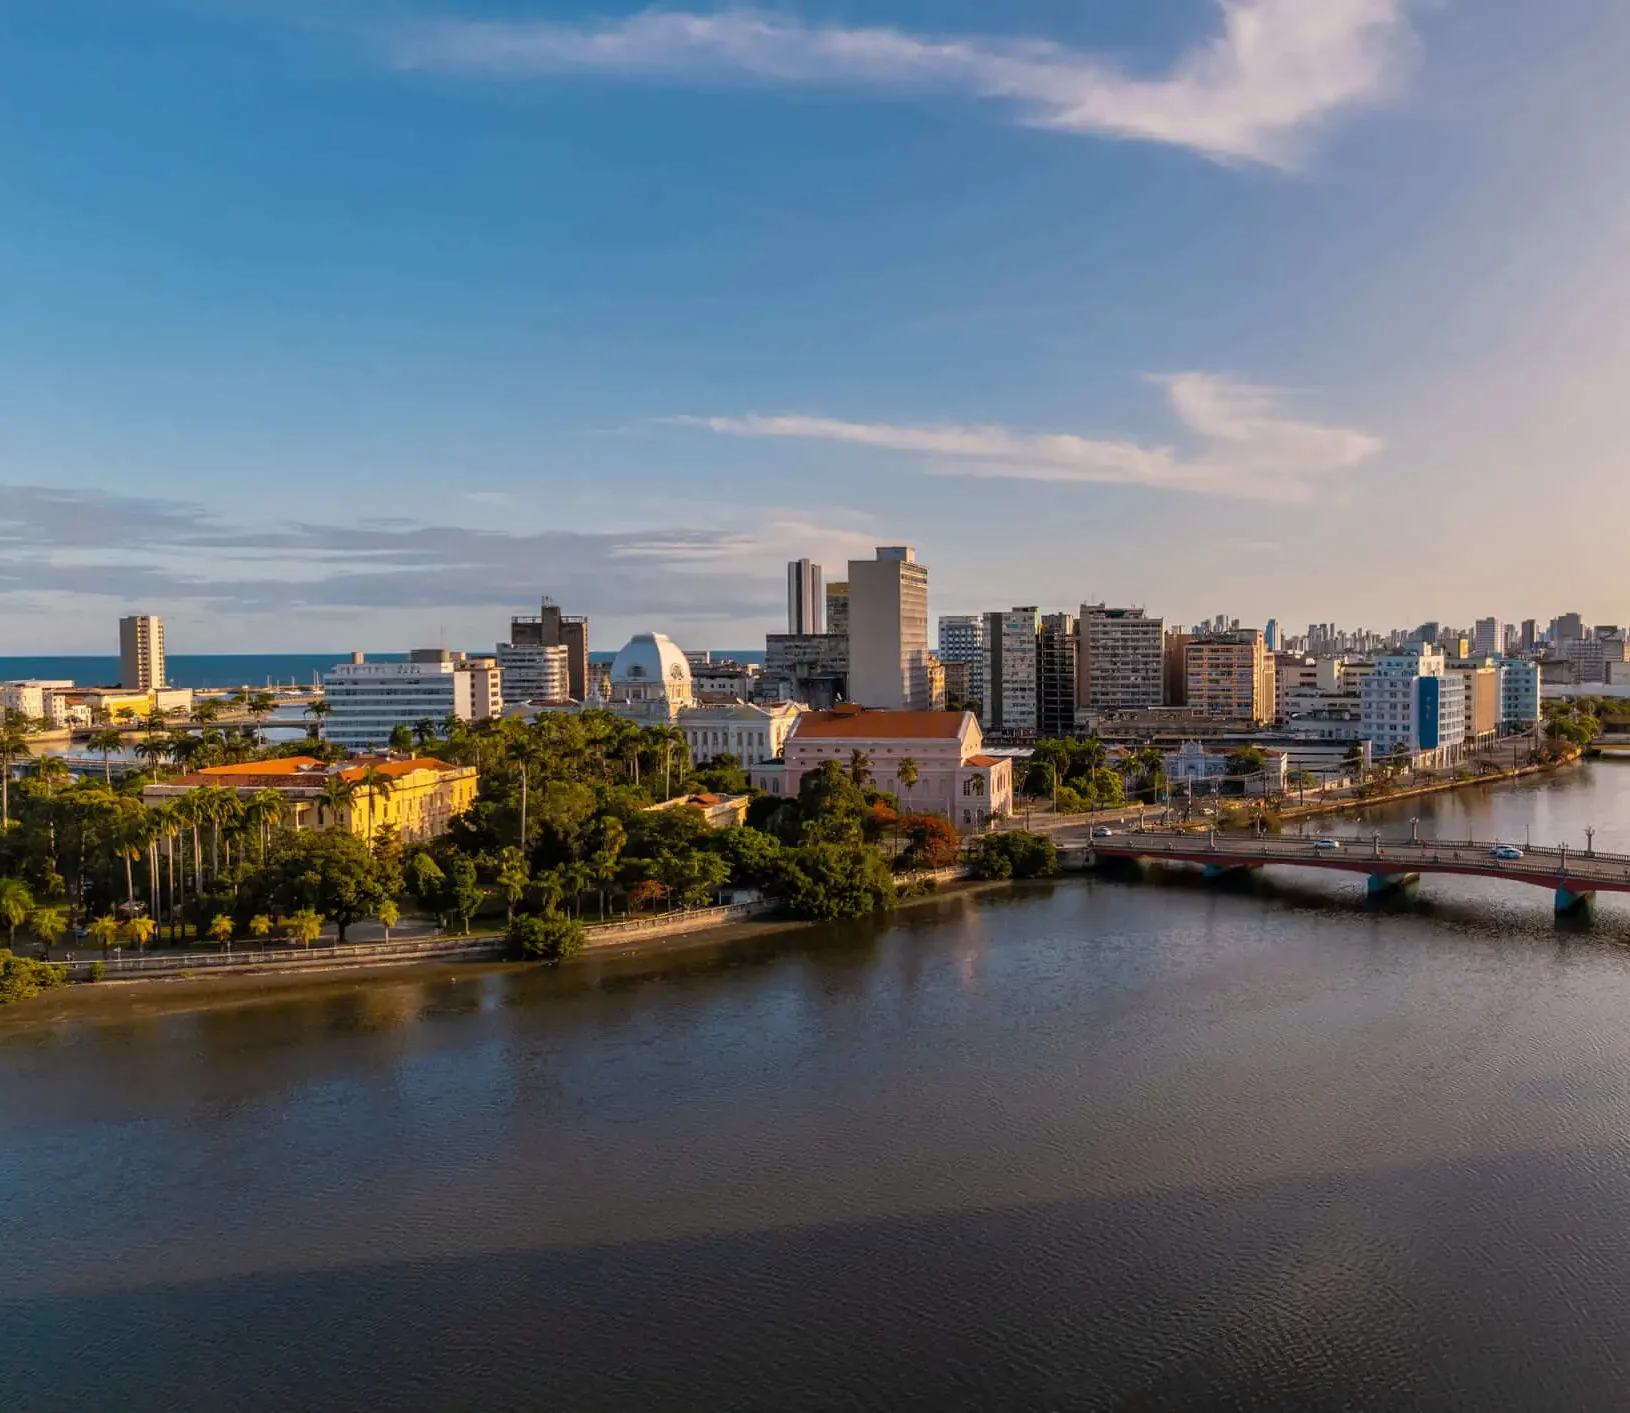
{"points": [[861, 724], [287, 770]]}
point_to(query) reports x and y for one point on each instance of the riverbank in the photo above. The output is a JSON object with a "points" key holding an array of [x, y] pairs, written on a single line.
{"points": [[1356, 805], [143, 997]]}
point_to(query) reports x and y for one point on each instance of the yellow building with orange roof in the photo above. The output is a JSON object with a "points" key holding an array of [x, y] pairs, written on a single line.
{"points": [[424, 794]]}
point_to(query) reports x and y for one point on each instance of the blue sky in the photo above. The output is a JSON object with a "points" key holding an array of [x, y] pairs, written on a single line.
{"points": [[363, 324]]}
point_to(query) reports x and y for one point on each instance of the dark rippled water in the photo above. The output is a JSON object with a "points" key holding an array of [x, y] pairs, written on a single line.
{"points": [[1085, 1145]]}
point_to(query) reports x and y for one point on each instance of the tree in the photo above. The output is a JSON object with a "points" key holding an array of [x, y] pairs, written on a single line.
{"points": [[16, 903], [545, 939], [13, 747], [513, 880], [401, 739], [260, 927], [317, 710], [1015, 854], [48, 924], [424, 730], [205, 710], [931, 840], [462, 893], [377, 785], [755, 859], [331, 873], [152, 750], [388, 914], [107, 741], [827, 881], [141, 930], [221, 929], [338, 794], [260, 706], [22, 977], [104, 931], [908, 775], [860, 767], [305, 926]]}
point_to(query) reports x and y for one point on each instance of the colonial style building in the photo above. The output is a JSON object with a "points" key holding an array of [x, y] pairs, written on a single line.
{"points": [[752, 734], [954, 777]]}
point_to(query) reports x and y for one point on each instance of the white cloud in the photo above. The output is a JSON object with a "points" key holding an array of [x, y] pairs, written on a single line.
{"points": [[1276, 69], [1249, 447]]}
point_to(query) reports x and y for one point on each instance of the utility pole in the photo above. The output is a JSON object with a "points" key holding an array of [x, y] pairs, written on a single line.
{"points": [[523, 808]]}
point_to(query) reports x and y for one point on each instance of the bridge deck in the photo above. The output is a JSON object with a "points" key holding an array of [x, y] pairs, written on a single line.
{"points": [[1542, 866]]}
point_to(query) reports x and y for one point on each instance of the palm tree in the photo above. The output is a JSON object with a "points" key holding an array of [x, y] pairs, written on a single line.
{"points": [[376, 784], [388, 913], [860, 768], [261, 705], [260, 927], [513, 879], [206, 710], [401, 738], [152, 750], [317, 710], [48, 924], [141, 930], [13, 747], [221, 929], [305, 926], [908, 775], [16, 903], [424, 730], [104, 930], [50, 772], [263, 811], [107, 741], [338, 794]]}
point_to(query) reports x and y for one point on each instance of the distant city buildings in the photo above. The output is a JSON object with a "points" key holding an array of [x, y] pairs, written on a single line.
{"points": [[962, 651], [1230, 675], [837, 608], [534, 674], [1055, 676], [805, 597], [1411, 700], [1488, 638], [368, 700], [1119, 659], [553, 628], [141, 653], [807, 667], [1011, 671], [888, 630]]}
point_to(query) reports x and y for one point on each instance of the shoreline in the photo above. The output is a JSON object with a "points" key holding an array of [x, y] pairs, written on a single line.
{"points": [[151, 997]]}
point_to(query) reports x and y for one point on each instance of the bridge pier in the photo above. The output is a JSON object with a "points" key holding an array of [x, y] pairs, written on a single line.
{"points": [[1571, 904], [1382, 884], [1230, 870]]}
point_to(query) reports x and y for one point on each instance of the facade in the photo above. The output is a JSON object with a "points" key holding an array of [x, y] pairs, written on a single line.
{"points": [[424, 795], [954, 776], [1594, 657], [1483, 705], [1230, 675], [959, 681], [1055, 676], [141, 653], [533, 674], [554, 629], [1519, 694], [103, 704], [1120, 659], [888, 630], [1204, 770], [806, 600], [752, 734], [370, 699], [1174, 668], [807, 667], [837, 608], [1530, 635], [1291, 672], [723, 682], [1488, 638], [962, 643], [1011, 671], [650, 680], [1413, 700], [1567, 627], [27, 699]]}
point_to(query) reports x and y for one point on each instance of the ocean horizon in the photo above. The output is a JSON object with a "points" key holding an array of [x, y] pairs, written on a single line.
{"points": [[217, 671]]}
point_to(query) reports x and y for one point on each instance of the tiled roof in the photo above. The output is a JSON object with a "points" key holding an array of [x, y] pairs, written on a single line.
{"points": [[983, 762], [286, 765], [302, 770], [879, 725]]}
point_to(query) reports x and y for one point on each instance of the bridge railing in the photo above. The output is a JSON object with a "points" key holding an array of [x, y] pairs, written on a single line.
{"points": [[1247, 843]]}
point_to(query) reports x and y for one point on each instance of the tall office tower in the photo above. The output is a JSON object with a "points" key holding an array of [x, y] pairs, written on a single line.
{"points": [[837, 608], [1055, 676], [1270, 635], [888, 630], [1530, 635], [1011, 670], [1118, 665], [805, 601], [1488, 637], [141, 653], [554, 629], [962, 640], [1567, 628]]}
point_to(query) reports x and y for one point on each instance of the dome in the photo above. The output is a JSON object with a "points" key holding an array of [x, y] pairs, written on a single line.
{"points": [[650, 667]]}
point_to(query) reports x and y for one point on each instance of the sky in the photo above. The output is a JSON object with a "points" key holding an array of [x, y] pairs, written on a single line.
{"points": [[334, 324]]}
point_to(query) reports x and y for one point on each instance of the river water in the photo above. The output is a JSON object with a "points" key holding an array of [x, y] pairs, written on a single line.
{"points": [[1073, 1145]]}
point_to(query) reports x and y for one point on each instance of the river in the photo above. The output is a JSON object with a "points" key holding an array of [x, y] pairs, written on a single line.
{"points": [[1072, 1145]]}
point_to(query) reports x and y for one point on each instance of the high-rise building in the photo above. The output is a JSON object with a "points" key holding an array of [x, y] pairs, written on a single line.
{"points": [[1270, 635], [1530, 635], [141, 653], [370, 699], [1519, 694], [1230, 675], [1174, 667], [1011, 670], [962, 640], [805, 599], [1567, 628], [1119, 659], [837, 608], [888, 630], [534, 674], [1488, 637], [1481, 676], [553, 628], [1413, 700], [1055, 679], [812, 668]]}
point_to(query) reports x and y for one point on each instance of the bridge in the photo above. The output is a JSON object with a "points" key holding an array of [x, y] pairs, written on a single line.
{"points": [[1575, 876]]}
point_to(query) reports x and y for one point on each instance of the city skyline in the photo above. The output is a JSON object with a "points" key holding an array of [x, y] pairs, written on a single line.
{"points": [[336, 322]]}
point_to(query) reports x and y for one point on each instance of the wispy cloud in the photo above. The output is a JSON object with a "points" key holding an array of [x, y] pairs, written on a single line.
{"points": [[1248, 445], [1275, 71]]}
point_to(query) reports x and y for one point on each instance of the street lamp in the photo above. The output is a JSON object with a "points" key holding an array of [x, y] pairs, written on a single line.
{"points": [[1590, 840]]}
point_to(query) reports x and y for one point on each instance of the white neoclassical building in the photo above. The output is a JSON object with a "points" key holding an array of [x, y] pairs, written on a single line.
{"points": [[750, 733]]}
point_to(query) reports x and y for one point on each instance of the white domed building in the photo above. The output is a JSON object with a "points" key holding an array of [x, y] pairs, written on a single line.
{"points": [[650, 679]]}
